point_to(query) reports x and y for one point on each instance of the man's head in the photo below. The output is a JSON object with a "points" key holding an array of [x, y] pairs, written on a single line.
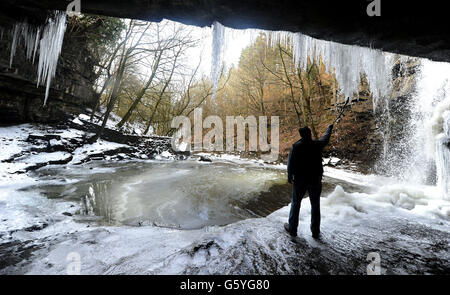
{"points": [[305, 133]]}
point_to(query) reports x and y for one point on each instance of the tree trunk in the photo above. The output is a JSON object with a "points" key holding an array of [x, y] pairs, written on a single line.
{"points": [[147, 128], [112, 101], [141, 93]]}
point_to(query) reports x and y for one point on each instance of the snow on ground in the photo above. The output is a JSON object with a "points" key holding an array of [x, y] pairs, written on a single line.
{"points": [[369, 180], [43, 157], [77, 121], [353, 225], [237, 159], [165, 155], [353, 177], [395, 199], [128, 128], [72, 133], [252, 161], [13, 142], [99, 146], [11, 139], [21, 209], [406, 223]]}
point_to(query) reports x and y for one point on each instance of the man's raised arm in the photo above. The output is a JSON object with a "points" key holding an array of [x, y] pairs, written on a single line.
{"points": [[326, 138]]}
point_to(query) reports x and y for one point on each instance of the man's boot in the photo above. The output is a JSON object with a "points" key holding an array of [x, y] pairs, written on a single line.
{"points": [[315, 233], [286, 227]]}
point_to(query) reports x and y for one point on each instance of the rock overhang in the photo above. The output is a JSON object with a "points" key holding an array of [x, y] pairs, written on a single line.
{"points": [[403, 27]]}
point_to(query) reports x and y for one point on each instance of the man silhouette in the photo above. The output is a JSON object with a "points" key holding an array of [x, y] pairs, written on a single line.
{"points": [[305, 173]]}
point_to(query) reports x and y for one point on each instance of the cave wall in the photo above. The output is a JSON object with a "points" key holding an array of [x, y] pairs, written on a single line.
{"points": [[405, 27], [21, 101]]}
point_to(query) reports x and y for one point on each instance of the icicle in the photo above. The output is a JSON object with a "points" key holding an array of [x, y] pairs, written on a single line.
{"points": [[48, 40], [348, 61], [30, 35], [15, 39], [217, 51], [50, 49], [36, 43]]}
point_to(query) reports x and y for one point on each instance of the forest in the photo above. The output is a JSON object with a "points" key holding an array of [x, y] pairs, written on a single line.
{"points": [[144, 76]]}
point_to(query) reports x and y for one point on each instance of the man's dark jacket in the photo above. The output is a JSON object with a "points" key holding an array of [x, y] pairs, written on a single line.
{"points": [[305, 159]]}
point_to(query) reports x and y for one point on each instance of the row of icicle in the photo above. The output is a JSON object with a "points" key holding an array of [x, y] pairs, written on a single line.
{"points": [[347, 62], [46, 41]]}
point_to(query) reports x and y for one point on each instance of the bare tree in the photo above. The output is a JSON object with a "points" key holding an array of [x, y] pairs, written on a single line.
{"points": [[130, 43], [170, 44]]}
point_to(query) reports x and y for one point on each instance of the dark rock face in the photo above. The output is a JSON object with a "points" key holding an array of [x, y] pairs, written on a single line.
{"points": [[403, 27], [205, 159], [21, 101], [355, 137]]}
